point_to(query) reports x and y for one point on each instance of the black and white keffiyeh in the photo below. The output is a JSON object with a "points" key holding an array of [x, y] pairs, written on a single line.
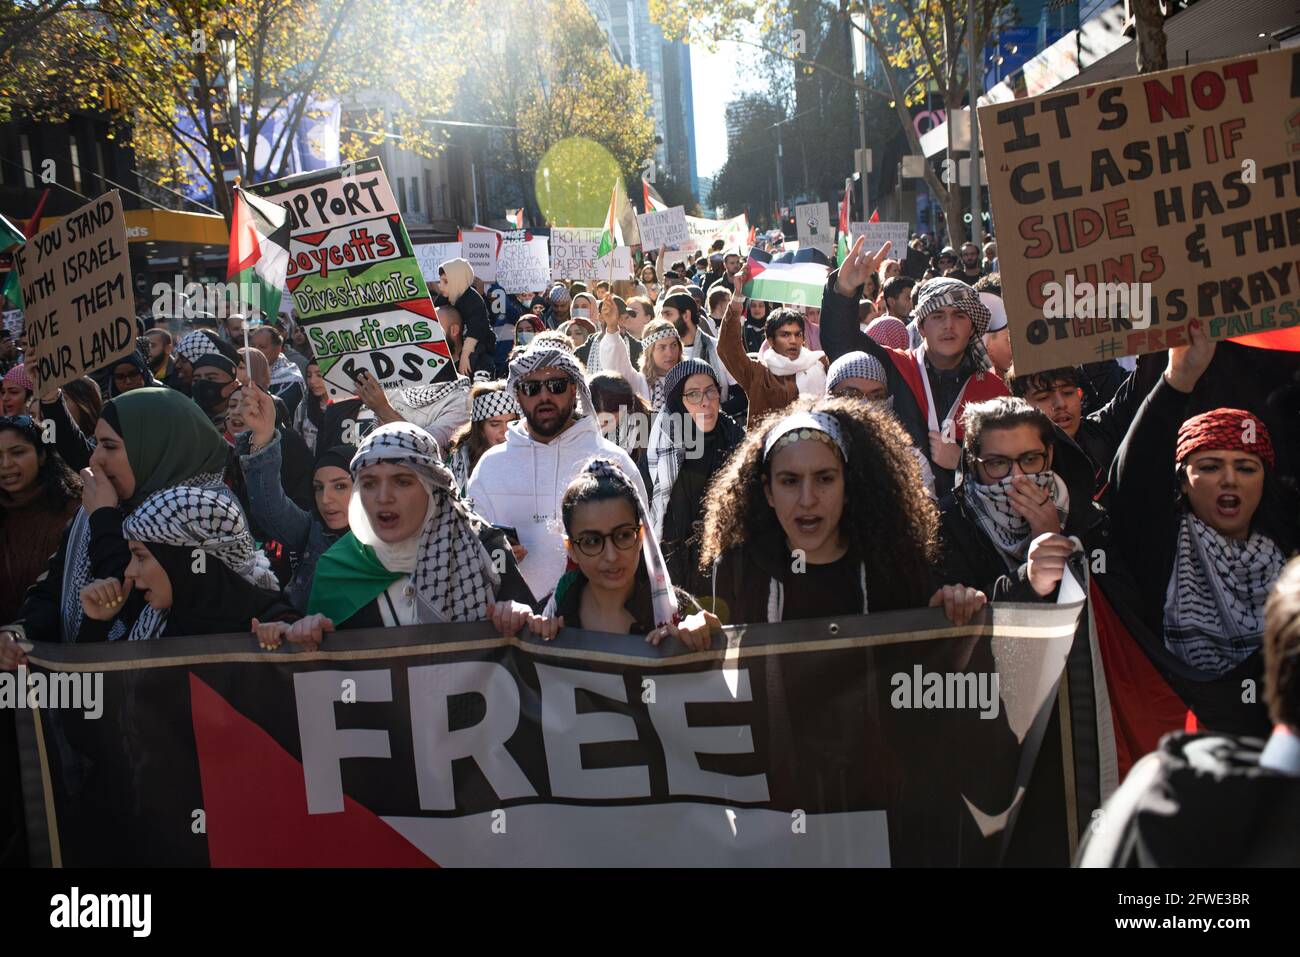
{"points": [[1214, 604], [285, 373], [1005, 527], [423, 396], [194, 344], [855, 365], [662, 598], [451, 569], [667, 447], [545, 356], [488, 405], [76, 569], [187, 516]]}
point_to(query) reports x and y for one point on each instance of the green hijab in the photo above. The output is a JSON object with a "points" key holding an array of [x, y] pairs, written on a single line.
{"points": [[348, 575], [168, 439]]}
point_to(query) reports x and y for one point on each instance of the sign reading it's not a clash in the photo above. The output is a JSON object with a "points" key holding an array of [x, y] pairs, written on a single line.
{"points": [[1128, 209], [356, 283]]}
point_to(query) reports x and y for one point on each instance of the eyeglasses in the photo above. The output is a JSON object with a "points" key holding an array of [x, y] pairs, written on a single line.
{"points": [[530, 387], [999, 466], [697, 397], [592, 544], [848, 392]]}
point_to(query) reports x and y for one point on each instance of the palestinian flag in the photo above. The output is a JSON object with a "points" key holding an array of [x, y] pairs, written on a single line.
{"points": [[515, 217], [259, 251], [654, 203], [793, 278], [611, 235]]}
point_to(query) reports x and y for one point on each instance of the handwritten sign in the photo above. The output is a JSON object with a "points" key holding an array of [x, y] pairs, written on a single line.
{"points": [[524, 265], [733, 232], [879, 233], [615, 264], [573, 251], [1127, 209], [78, 298], [663, 230], [480, 249], [357, 288], [813, 221], [432, 255]]}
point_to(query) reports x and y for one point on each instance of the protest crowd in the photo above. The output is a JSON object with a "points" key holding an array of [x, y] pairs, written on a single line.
{"points": [[659, 455]]}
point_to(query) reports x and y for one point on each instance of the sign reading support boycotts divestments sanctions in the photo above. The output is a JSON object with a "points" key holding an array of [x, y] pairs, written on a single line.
{"points": [[893, 739], [1128, 208], [357, 287], [78, 300]]}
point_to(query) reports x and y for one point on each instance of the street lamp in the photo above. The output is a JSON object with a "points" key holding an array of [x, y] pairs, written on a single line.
{"points": [[226, 38]]}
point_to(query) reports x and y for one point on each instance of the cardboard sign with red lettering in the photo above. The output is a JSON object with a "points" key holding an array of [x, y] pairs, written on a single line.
{"points": [[1127, 209], [78, 300]]}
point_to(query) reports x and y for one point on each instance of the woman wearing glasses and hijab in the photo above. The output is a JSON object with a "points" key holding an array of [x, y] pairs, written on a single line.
{"points": [[618, 582]]}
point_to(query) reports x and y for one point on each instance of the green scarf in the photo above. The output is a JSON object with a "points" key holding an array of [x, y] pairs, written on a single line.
{"points": [[348, 576], [168, 439]]}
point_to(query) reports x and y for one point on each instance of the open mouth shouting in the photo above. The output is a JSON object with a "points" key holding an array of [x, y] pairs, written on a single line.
{"points": [[1228, 505]]}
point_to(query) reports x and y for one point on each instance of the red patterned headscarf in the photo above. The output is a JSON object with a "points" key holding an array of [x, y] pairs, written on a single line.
{"points": [[1232, 429]]}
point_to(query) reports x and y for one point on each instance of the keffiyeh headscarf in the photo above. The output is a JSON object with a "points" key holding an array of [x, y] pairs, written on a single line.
{"points": [[855, 365], [18, 376], [195, 344], [423, 396], [1005, 527], [189, 518], [890, 332], [452, 571], [488, 405], [1214, 603], [1234, 430], [544, 356], [940, 292], [662, 599], [667, 448]]}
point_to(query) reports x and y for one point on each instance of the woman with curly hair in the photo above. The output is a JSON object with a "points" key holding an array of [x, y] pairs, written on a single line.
{"points": [[787, 542]]}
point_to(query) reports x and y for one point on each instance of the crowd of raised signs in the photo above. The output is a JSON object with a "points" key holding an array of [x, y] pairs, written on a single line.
{"points": [[659, 456]]}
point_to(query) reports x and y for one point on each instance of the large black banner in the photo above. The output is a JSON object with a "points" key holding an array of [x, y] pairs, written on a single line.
{"points": [[894, 739]]}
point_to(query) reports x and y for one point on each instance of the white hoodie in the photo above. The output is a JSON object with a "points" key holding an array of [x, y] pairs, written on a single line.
{"points": [[521, 483]]}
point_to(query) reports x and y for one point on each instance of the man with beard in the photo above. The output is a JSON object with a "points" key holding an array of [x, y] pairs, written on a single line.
{"points": [[970, 263], [520, 483]]}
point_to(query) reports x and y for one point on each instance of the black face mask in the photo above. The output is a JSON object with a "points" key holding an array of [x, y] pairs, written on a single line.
{"points": [[208, 395]]}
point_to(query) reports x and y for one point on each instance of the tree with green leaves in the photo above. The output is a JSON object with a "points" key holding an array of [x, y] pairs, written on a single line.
{"points": [[920, 43]]}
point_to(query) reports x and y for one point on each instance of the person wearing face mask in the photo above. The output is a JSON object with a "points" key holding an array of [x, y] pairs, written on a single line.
{"points": [[456, 286], [856, 375], [306, 532], [526, 329], [1202, 524], [232, 590], [215, 381], [931, 383], [619, 583], [492, 409], [146, 440], [689, 444], [416, 554]]}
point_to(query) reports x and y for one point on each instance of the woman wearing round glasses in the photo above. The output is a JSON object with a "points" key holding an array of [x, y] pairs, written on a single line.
{"points": [[689, 443], [1019, 493], [618, 582]]}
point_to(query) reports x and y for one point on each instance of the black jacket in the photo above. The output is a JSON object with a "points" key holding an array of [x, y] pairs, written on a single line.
{"points": [[633, 344], [1199, 800], [478, 326], [1101, 432]]}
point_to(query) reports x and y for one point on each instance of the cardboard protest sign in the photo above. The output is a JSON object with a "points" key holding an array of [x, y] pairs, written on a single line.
{"points": [[524, 265], [432, 255], [815, 227], [78, 298], [480, 249], [897, 739], [663, 230], [572, 251], [615, 264], [733, 232], [879, 233], [13, 320], [1128, 208], [357, 287]]}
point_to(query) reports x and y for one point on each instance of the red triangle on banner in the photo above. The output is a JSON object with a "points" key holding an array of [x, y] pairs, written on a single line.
{"points": [[875, 216], [1283, 340], [255, 802]]}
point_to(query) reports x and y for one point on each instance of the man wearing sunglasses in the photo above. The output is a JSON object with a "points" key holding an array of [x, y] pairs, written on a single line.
{"points": [[520, 483]]}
